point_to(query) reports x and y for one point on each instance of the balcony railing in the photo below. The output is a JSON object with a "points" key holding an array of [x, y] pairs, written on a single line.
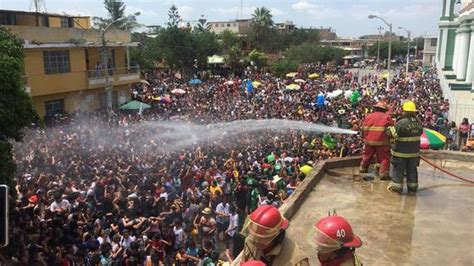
{"points": [[116, 76]]}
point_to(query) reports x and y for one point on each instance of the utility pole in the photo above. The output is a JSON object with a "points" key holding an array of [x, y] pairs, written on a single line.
{"points": [[108, 88], [380, 28]]}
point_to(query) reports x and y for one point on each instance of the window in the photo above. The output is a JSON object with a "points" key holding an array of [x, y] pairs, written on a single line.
{"points": [[56, 62], [216, 25], [228, 24], [45, 21], [7, 19], [235, 24], [222, 25], [54, 107], [67, 22], [434, 41]]}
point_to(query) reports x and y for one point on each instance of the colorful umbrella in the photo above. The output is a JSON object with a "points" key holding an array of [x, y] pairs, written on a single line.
{"points": [[432, 139], [178, 91], [256, 84], [195, 81], [329, 142], [291, 74], [293, 87], [306, 169], [300, 80], [313, 76]]}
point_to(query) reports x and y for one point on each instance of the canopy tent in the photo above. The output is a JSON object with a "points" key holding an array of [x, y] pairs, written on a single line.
{"points": [[215, 60], [135, 105]]}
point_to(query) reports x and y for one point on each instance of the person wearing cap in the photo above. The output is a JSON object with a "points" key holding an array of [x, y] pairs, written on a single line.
{"points": [[406, 150], [336, 242], [376, 140], [207, 224]]}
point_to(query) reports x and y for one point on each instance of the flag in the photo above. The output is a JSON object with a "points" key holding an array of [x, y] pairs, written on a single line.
{"points": [[249, 86], [329, 142]]}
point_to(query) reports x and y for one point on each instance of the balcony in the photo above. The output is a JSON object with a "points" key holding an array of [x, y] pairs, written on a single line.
{"points": [[116, 76]]}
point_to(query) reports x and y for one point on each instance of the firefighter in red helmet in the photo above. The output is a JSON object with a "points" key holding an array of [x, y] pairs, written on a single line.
{"points": [[336, 242], [376, 140]]}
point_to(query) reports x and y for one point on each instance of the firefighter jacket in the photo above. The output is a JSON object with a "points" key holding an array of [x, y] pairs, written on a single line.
{"points": [[374, 129], [408, 132]]}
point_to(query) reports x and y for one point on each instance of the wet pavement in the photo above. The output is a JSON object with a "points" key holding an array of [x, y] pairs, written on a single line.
{"points": [[435, 227]]}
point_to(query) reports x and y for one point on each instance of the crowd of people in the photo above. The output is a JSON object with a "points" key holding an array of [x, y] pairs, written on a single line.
{"points": [[121, 188]]}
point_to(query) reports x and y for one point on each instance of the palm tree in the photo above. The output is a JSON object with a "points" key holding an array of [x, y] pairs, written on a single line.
{"points": [[262, 22], [116, 10]]}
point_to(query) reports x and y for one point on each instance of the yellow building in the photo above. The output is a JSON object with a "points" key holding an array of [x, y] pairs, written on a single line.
{"points": [[65, 67]]}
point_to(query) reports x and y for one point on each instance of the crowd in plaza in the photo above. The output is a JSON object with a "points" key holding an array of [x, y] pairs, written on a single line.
{"points": [[100, 189]]}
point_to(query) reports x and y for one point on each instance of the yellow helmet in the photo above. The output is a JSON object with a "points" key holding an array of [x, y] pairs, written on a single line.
{"points": [[409, 106]]}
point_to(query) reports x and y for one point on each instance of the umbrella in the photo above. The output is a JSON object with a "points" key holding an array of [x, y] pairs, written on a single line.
{"points": [[195, 81], [384, 75], [300, 80], [135, 105], [256, 84], [306, 169], [178, 91], [313, 76], [145, 82], [335, 93], [291, 74], [293, 87], [230, 82], [329, 142], [432, 139]]}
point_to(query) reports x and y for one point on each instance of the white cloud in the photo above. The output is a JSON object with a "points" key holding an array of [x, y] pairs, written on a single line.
{"points": [[318, 11], [277, 12], [186, 12]]}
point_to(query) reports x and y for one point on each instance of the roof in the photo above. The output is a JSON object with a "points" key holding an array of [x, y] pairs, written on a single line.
{"points": [[230, 21], [73, 45], [42, 14]]}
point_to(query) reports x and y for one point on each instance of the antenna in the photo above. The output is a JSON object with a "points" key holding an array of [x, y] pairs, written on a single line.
{"points": [[38, 6]]}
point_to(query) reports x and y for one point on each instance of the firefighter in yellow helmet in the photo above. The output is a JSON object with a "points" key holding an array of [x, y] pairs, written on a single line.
{"points": [[405, 150]]}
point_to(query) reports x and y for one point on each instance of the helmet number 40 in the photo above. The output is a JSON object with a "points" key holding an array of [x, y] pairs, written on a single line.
{"points": [[340, 233]]}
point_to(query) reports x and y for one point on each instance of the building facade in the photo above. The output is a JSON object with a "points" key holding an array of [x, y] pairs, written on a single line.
{"points": [[455, 56], [65, 66], [429, 51], [239, 26], [327, 34]]}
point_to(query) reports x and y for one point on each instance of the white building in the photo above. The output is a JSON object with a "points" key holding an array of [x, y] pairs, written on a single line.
{"points": [[429, 51], [239, 26], [455, 57]]}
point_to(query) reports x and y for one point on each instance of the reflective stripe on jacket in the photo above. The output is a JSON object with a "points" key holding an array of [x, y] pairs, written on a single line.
{"points": [[374, 129], [409, 130]]}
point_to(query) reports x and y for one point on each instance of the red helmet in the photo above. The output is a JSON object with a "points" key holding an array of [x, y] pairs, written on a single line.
{"points": [[253, 263], [266, 221], [335, 232], [381, 105]]}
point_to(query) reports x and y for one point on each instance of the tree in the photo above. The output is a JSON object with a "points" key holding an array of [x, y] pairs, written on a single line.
{"points": [[312, 53], [257, 58], [202, 24], [261, 26], [230, 48], [116, 10], [398, 49], [146, 53], [173, 17], [282, 66], [16, 109]]}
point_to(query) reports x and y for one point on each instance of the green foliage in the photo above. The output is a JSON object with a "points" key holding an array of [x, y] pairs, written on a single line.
{"points": [[146, 53], [312, 53], [16, 109], [173, 17], [202, 24], [230, 48], [398, 48], [259, 59], [261, 27], [282, 66], [116, 10]]}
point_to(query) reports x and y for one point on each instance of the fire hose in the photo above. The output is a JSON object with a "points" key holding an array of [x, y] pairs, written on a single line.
{"points": [[445, 171]]}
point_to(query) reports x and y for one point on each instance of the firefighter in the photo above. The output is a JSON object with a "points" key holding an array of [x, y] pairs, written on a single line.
{"points": [[336, 242], [265, 239], [253, 263], [376, 139], [405, 151]]}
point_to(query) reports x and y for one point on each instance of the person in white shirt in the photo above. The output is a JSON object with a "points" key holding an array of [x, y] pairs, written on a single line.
{"points": [[126, 239], [233, 228], [222, 217], [60, 205]]}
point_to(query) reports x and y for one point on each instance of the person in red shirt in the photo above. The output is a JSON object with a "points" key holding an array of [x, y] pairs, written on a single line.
{"points": [[376, 140]]}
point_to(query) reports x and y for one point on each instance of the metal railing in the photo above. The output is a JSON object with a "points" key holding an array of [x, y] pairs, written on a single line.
{"points": [[101, 72]]}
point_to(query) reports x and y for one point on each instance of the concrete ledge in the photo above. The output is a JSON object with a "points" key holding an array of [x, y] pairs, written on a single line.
{"points": [[296, 199], [450, 155]]}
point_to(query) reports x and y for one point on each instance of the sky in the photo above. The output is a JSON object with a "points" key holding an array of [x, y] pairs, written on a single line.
{"points": [[348, 18]]}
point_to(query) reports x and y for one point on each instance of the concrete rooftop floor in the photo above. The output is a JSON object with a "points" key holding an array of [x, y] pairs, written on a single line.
{"points": [[435, 227]]}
